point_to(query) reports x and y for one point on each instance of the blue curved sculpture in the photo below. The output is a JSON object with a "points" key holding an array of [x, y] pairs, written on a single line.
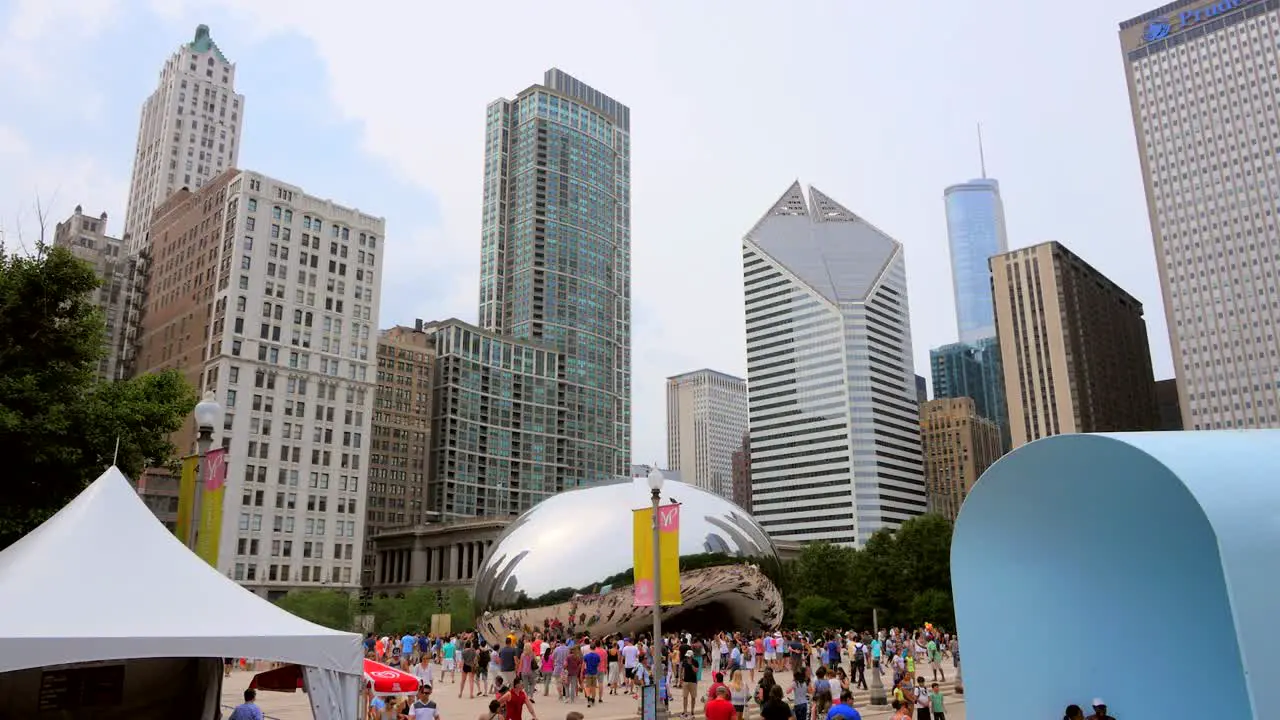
{"points": [[1141, 568]]}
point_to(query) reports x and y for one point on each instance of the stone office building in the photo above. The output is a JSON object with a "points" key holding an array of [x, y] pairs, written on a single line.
{"points": [[443, 555]]}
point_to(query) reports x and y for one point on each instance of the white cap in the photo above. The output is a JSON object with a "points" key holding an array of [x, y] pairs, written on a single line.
{"points": [[1099, 702]]}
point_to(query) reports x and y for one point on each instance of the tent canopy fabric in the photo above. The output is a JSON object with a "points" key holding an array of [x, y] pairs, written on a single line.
{"points": [[104, 580]]}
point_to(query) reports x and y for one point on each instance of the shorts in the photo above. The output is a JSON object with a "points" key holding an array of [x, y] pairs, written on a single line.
{"points": [[631, 673], [449, 664], [739, 708], [613, 673], [768, 655], [466, 669], [590, 681]]}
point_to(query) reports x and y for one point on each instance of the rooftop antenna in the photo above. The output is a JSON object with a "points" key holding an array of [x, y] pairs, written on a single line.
{"points": [[982, 157]]}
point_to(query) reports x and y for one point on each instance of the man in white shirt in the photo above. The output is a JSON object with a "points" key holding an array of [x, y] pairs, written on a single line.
{"points": [[630, 661], [424, 708]]}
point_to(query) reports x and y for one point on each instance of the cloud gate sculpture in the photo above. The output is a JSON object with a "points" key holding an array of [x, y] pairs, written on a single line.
{"points": [[568, 563]]}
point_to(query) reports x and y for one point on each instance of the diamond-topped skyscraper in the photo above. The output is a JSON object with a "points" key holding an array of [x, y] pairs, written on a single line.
{"points": [[834, 418], [556, 254]]}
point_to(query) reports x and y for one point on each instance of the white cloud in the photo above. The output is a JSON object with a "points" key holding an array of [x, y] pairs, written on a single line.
{"points": [[31, 25]]}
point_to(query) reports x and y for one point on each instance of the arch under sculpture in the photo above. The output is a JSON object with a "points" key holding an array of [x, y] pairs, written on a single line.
{"points": [[1142, 568]]}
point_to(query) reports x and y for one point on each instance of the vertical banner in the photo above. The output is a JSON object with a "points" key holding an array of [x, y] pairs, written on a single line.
{"points": [[214, 476], [669, 551], [186, 497]]}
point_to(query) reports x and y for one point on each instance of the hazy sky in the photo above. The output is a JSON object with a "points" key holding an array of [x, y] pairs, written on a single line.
{"points": [[381, 104]]}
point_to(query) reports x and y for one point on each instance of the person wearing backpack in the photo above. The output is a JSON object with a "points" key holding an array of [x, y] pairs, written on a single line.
{"points": [[924, 708], [858, 668]]}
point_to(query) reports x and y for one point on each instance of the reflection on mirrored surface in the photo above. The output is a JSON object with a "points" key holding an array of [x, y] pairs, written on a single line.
{"points": [[568, 562]]}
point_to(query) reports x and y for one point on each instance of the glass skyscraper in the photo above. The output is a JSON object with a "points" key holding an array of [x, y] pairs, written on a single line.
{"points": [[973, 370], [556, 255], [975, 232]]}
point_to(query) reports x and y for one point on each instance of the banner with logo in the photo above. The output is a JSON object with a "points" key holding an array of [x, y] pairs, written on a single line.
{"points": [[214, 478], [668, 550], [186, 498]]}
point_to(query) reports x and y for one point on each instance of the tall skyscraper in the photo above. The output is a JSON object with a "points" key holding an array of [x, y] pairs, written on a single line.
{"points": [[399, 450], [706, 419], [959, 445], [1201, 81], [291, 356], [1074, 347], [556, 254], [188, 133], [975, 232], [835, 427], [86, 237]]}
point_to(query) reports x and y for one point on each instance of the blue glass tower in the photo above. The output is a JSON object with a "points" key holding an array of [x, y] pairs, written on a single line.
{"points": [[975, 232], [973, 370]]}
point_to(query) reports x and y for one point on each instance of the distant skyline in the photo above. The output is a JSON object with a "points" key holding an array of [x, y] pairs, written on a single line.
{"points": [[384, 110]]}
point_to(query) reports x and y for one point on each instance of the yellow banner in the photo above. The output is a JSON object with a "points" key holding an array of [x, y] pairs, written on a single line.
{"points": [[186, 497], [214, 479], [669, 552]]}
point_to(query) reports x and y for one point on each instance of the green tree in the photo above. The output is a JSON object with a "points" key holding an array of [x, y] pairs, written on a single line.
{"points": [[461, 609], [905, 576], [58, 425], [816, 613], [824, 570], [330, 608]]}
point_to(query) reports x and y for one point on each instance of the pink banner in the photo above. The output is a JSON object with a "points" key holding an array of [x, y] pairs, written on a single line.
{"points": [[215, 469]]}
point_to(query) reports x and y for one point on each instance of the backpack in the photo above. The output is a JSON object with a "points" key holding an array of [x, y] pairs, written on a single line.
{"points": [[860, 654]]}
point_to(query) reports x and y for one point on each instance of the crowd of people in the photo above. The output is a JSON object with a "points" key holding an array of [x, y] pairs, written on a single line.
{"points": [[772, 675]]}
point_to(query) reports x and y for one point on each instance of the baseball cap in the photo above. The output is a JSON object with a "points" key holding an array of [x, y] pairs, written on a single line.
{"points": [[688, 653], [1099, 702]]}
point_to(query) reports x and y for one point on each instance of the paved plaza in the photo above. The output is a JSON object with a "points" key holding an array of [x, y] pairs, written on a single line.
{"points": [[294, 706]]}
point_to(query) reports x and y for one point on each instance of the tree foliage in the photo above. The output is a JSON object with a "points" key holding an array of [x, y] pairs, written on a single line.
{"points": [[904, 575], [58, 424], [391, 614]]}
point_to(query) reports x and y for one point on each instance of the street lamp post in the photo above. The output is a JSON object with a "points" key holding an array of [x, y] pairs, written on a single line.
{"points": [[876, 690], [208, 412], [655, 494]]}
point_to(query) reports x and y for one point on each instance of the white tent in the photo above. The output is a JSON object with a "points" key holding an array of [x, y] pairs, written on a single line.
{"points": [[103, 580]]}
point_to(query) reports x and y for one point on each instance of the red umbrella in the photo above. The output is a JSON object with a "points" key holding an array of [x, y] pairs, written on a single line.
{"points": [[287, 678], [386, 680]]}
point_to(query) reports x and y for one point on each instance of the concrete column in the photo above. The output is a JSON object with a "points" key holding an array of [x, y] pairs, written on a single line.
{"points": [[418, 571], [379, 567]]}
